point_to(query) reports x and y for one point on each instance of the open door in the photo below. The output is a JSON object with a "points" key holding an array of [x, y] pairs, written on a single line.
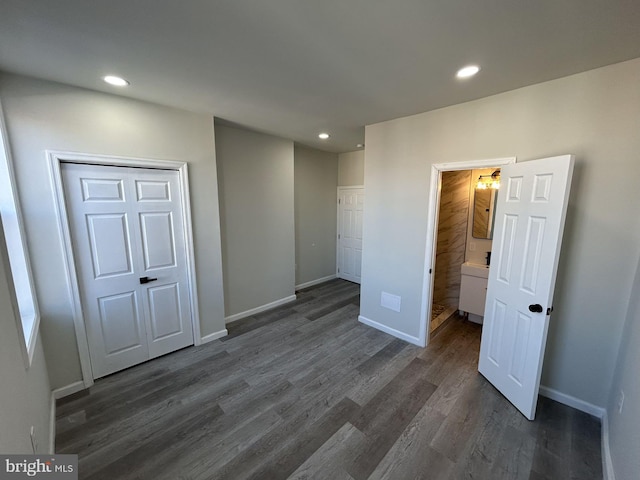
{"points": [[530, 215]]}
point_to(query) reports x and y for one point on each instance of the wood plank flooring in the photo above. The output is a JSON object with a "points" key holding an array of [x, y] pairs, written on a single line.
{"points": [[305, 391]]}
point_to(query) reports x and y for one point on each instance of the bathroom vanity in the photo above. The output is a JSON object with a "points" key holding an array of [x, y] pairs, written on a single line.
{"points": [[473, 290]]}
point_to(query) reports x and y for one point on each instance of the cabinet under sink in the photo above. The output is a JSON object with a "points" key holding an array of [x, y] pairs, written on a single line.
{"points": [[473, 290]]}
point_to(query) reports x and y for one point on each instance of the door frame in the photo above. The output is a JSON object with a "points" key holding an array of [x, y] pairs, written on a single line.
{"points": [[56, 159], [340, 189], [435, 187]]}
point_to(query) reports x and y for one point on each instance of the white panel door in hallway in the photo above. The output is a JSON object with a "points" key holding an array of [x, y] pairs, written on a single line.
{"points": [[530, 214], [129, 248], [349, 251]]}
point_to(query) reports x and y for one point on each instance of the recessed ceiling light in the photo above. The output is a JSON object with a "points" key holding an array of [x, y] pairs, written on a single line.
{"points": [[323, 136], [117, 81], [468, 71]]}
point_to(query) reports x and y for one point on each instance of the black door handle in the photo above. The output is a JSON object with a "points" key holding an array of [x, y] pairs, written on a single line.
{"points": [[535, 308], [147, 280]]}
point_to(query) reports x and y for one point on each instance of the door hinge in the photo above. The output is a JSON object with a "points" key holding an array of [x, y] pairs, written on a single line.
{"points": [[549, 310], [429, 271], [339, 201], [338, 236]]}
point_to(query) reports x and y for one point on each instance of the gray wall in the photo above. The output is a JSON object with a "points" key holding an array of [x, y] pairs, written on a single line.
{"points": [[624, 433], [316, 182], [351, 168], [256, 210], [594, 115], [25, 394], [43, 115]]}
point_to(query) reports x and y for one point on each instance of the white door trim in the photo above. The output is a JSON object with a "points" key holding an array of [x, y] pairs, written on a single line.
{"points": [[55, 159], [432, 228]]}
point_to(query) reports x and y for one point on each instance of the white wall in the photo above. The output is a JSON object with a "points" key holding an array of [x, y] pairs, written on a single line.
{"points": [[316, 182], [351, 168], [594, 115], [42, 115], [256, 210], [624, 434], [25, 393]]}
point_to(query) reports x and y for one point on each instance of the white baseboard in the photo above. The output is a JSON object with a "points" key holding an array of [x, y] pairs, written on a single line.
{"points": [[263, 308], [317, 281], [607, 465], [52, 424], [214, 336], [573, 402], [69, 389], [586, 407], [390, 331]]}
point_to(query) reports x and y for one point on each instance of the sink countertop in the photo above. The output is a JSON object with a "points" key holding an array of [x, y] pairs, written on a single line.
{"points": [[475, 270]]}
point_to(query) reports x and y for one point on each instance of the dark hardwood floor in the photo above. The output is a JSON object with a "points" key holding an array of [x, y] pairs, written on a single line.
{"points": [[305, 391]]}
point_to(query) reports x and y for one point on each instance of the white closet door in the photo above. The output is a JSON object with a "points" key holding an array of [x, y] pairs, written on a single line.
{"points": [[350, 212], [129, 250]]}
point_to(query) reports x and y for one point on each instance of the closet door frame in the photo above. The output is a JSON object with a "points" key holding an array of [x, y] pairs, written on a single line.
{"points": [[56, 159]]}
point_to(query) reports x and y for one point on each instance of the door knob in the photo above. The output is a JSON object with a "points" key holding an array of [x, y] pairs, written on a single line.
{"points": [[535, 308], [147, 280]]}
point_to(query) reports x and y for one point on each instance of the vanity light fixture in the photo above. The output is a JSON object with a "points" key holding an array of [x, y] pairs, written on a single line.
{"points": [[116, 81], [323, 136], [468, 71], [489, 181], [359, 145]]}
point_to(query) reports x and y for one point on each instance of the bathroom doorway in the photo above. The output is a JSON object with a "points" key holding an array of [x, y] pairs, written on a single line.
{"points": [[451, 244], [452, 237]]}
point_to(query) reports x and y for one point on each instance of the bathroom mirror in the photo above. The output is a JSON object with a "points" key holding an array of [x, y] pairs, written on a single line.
{"points": [[484, 212]]}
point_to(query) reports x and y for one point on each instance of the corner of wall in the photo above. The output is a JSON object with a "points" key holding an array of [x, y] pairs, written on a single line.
{"points": [[608, 472], [52, 424]]}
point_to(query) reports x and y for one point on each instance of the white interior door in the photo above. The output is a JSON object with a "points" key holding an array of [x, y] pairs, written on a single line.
{"points": [[530, 214], [350, 211], [127, 231]]}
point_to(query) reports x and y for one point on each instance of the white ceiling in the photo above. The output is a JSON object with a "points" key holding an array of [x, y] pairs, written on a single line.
{"points": [[293, 68]]}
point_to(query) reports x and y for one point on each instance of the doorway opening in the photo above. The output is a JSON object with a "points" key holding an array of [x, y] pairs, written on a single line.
{"points": [[531, 210], [463, 244], [450, 240]]}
